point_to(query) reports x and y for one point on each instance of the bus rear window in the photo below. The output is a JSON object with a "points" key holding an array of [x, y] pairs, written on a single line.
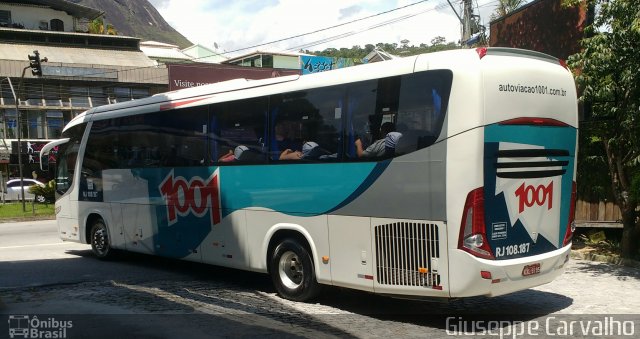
{"points": [[412, 106]]}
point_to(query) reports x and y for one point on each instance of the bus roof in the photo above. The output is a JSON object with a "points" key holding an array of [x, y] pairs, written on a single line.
{"points": [[210, 93]]}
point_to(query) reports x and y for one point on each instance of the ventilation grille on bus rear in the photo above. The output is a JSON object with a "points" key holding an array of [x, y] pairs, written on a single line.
{"points": [[403, 250], [530, 163]]}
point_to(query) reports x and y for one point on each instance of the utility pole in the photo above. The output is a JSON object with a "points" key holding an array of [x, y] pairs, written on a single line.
{"points": [[466, 20], [467, 13]]}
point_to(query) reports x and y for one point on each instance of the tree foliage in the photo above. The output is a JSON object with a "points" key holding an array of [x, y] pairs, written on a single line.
{"points": [[97, 27], [48, 191], [404, 49], [607, 73], [505, 7]]}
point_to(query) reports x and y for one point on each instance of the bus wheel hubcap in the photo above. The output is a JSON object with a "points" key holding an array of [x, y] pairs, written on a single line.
{"points": [[290, 270], [100, 240]]}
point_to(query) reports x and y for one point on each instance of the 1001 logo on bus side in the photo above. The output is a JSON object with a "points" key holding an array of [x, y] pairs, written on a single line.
{"points": [[194, 196]]}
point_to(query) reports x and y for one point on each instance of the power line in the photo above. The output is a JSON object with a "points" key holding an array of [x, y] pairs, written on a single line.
{"points": [[322, 29], [293, 37], [306, 45], [347, 34]]}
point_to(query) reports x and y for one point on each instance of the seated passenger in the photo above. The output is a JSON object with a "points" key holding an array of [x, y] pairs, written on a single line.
{"points": [[227, 157], [283, 146], [290, 154], [390, 143], [380, 147], [312, 151]]}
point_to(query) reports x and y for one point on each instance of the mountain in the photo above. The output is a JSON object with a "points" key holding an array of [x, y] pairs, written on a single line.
{"points": [[137, 18]]}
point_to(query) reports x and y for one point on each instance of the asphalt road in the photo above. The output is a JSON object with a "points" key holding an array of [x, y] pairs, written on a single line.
{"points": [[149, 297]]}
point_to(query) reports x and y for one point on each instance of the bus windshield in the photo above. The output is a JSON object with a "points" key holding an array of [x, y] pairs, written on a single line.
{"points": [[67, 156]]}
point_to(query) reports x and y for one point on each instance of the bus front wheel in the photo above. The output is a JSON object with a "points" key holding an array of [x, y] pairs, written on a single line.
{"points": [[100, 244], [292, 271]]}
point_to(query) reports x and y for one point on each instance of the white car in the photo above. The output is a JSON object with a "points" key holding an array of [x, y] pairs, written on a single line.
{"points": [[13, 191]]}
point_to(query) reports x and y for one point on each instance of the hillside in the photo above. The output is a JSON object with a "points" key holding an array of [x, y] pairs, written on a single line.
{"points": [[137, 18]]}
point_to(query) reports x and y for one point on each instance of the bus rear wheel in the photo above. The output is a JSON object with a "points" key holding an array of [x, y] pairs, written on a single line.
{"points": [[100, 244], [292, 271]]}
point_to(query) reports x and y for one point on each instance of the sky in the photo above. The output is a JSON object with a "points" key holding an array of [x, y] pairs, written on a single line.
{"points": [[235, 26]]}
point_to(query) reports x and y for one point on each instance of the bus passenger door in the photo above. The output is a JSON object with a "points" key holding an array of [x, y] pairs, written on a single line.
{"points": [[351, 255], [116, 229], [67, 218]]}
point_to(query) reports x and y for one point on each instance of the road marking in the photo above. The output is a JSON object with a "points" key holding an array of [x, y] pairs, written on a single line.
{"points": [[34, 245]]}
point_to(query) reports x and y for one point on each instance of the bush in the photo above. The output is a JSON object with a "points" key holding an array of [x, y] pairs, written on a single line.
{"points": [[48, 191]]}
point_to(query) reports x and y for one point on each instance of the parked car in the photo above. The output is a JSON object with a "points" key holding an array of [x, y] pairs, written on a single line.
{"points": [[13, 191]]}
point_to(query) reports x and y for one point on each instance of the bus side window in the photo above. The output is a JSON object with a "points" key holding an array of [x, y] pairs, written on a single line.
{"points": [[238, 131], [422, 108], [312, 117]]}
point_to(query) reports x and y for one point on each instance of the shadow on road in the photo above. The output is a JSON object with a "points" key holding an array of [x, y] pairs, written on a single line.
{"points": [[597, 269], [232, 302]]}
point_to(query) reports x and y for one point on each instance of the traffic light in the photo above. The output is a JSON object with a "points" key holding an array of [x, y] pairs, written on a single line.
{"points": [[34, 62]]}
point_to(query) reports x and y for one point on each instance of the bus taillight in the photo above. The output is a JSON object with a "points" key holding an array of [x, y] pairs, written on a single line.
{"points": [[473, 234], [482, 51], [571, 225], [564, 64]]}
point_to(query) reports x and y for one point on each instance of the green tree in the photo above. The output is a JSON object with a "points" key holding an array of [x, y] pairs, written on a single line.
{"points": [[606, 71], [505, 7], [97, 27], [439, 40]]}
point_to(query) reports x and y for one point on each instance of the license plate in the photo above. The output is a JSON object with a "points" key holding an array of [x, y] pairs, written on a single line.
{"points": [[531, 269]]}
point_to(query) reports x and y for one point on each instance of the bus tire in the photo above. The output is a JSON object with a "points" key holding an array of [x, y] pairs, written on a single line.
{"points": [[100, 243], [292, 271]]}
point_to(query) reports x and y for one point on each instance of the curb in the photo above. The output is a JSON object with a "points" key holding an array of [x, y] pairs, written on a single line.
{"points": [[606, 259]]}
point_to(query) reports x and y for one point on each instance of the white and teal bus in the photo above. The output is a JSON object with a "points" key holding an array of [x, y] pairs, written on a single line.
{"points": [[470, 191]]}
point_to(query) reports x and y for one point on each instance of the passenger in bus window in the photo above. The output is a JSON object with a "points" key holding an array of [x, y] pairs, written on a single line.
{"points": [[284, 147], [289, 154], [382, 147], [227, 157], [239, 153], [312, 151]]}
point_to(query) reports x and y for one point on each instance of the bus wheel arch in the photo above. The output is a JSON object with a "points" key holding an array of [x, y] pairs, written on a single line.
{"points": [[291, 266], [97, 234]]}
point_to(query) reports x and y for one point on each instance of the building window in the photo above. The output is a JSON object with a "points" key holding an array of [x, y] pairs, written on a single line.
{"points": [[51, 95], [98, 97], [11, 123], [267, 61], [5, 18], [139, 93], [57, 25], [122, 94], [7, 95], [79, 97], [35, 125], [55, 122]]}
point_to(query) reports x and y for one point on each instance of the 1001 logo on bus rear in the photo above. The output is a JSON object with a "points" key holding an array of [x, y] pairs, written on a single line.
{"points": [[530, 195], [196, 196]]}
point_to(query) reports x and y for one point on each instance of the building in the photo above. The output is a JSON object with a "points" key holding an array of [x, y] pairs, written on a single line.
{"points": [[200, 53], [544, 26], [83, 71], [263, 59], [305, 63], [164, 53]]}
